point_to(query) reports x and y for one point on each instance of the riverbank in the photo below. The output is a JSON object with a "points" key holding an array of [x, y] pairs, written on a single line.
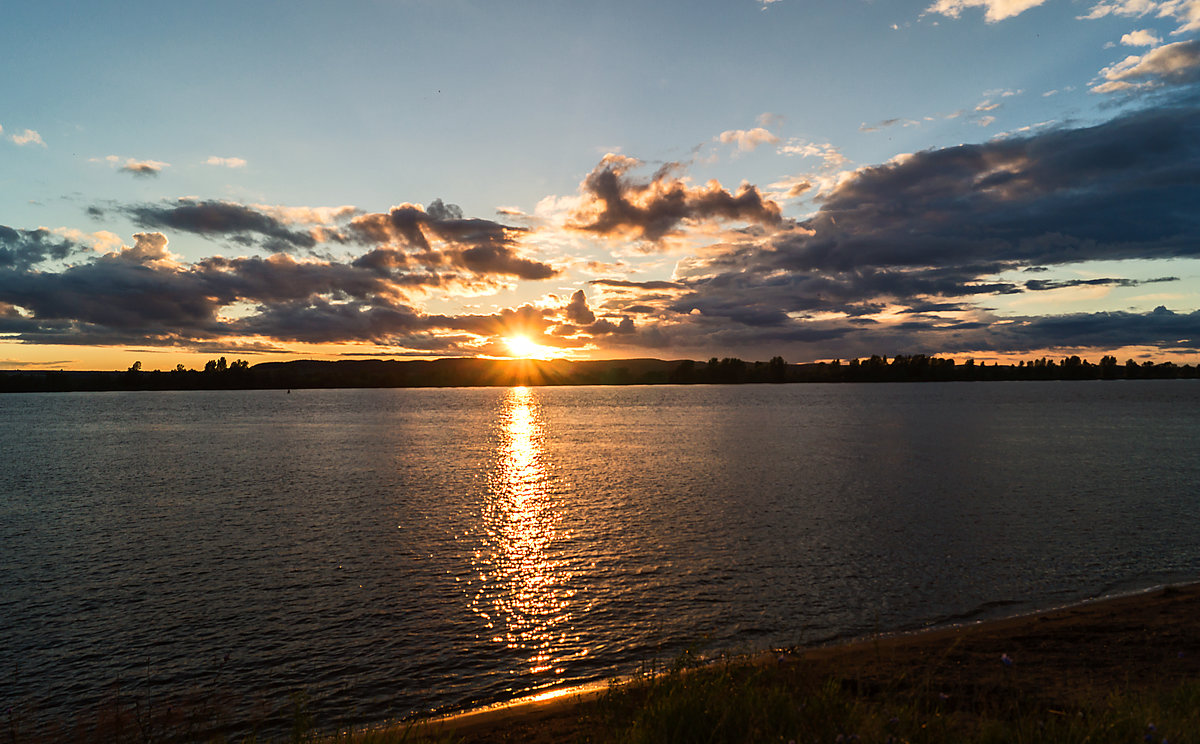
{"points": [[1096, 669]]}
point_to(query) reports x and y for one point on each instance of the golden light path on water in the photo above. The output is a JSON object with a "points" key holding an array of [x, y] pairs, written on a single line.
{"points": [[524, 593]]}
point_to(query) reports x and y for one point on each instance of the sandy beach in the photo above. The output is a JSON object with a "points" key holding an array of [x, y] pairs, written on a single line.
{"points": [[1064, 657]]}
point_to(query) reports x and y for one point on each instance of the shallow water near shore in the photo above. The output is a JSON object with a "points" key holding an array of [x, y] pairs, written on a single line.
{"points": [[397, 551]]}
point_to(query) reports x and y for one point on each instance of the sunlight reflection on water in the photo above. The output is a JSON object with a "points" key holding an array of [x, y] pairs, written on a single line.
{"points": [[523, 592]]}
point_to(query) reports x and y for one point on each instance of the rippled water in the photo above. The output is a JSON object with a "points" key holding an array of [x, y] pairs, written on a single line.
{"points": [[392, 551]]}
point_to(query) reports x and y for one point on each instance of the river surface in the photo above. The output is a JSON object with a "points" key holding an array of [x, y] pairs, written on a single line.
{"points": [[387, 552]]}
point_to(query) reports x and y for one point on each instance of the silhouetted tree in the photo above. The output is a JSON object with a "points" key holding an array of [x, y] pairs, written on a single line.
{"points": [[777, 369]]}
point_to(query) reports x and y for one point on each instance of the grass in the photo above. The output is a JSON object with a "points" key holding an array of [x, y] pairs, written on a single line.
{"points": [[740, 700], [743, 702]]}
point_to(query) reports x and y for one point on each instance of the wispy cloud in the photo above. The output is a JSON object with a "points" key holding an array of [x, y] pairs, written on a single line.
{"points": [[827, 152], [886, 123], [1184, 12], [995, 10], [134, 166], [226, 162], [747, 140], [28, 137]]}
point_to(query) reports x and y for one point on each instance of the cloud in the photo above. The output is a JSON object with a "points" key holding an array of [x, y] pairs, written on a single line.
{"points": [[832, 157], [791, 188], [144, 295], [996, 10], [886, 123], [221, 219], [226, 162], [1116, 190], [143, 168], [1160, 328], [148, 248], [22, 249], [441, 235], [768, 120], [1135, 8], [577, 310], [101, 240], [1185, 12], [929, 238], [134, 167], [28, 137], [909, 255], [1142, 37], [747, 140], [615, 204], [1172, 64], [439, 238]]}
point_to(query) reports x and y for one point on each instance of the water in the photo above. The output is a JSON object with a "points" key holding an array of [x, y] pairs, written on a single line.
{"points": [[396, 551]]}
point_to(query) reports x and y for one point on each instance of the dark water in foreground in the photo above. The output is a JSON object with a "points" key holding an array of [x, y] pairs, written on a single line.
{"points": [[391, 551]]}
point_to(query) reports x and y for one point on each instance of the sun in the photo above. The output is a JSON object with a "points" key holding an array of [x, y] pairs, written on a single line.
{"points": [[522, 348]]}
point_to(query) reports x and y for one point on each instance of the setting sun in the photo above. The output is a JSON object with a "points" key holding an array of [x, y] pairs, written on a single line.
{"points": [[523, 348]]}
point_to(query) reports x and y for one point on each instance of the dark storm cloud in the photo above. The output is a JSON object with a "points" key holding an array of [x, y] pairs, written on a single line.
{"points": [[317, 320], [1161, 328], [21, 249], [137, 297], [931, 236], [145, 295], [577, 310], [1037, 285], [580, 318], [114, 294], [237, 222], [1121, 190], [406, 236], [617, 204], [625, 284], [500, 259], [939, 227], [408, 233], [280, 278], [140, 295]]}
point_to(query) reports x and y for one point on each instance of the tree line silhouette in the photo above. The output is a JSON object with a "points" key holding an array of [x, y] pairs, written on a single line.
{"points": [[470, 372]]}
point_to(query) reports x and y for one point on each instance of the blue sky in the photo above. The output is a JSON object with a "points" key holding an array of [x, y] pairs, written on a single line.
{"points": [[991, 178]]}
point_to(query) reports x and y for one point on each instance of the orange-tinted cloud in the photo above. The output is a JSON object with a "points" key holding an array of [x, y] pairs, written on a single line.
{"points": [[618, 205]]}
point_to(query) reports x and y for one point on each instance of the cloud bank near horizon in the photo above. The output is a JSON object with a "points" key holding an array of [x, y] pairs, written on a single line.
{"points": [[912, 255]]}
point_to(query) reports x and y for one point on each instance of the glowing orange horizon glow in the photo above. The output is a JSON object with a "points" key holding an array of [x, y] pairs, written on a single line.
{"points": [[522, 347]]}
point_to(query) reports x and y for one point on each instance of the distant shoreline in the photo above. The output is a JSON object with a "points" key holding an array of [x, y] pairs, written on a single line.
{"points": [[474, 372]]}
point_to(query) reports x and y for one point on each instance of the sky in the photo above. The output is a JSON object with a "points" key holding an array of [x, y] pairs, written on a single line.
{"points": [[811, 179]]}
